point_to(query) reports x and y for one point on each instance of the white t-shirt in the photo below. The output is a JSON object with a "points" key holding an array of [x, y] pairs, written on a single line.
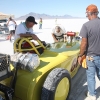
{"points": [[62, 31], [11, 25], [21, 29]]}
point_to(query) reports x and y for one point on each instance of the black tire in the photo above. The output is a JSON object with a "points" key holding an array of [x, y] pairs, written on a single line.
{"points": [[52, 81]]}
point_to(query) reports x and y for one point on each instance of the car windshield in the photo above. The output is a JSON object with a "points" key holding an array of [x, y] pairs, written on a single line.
{"points": [[4, 20]]}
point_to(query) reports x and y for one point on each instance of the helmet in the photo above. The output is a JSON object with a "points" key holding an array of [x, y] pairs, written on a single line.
{"points": [[92, 8]]}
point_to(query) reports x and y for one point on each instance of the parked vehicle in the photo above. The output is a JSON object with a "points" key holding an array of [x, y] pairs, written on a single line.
{"points": [[3, 27]]}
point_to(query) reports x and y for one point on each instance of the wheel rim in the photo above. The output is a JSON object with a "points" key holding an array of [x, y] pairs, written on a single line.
{"points": [[62, 89]]}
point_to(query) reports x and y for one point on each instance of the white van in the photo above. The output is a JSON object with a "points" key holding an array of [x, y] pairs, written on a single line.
{"points": [[3, 26]]}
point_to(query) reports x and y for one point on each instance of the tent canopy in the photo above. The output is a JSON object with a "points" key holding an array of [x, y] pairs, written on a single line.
{"points": [[5, 16]]}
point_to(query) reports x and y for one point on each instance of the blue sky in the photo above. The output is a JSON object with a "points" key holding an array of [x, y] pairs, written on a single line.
{"points": [[51, 7]]}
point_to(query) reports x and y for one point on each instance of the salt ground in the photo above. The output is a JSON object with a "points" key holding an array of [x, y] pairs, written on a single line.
{"points": [[79, 83], [69, 24]]}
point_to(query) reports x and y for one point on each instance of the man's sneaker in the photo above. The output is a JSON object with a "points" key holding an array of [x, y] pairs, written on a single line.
{"points": [[91, 97]]}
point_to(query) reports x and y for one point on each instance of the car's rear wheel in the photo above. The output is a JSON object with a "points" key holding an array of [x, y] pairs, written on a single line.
{"points": [[57, 85]]}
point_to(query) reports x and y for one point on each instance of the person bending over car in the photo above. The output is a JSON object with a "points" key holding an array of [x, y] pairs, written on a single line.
{"points": [[25, 29], [58, 34]]}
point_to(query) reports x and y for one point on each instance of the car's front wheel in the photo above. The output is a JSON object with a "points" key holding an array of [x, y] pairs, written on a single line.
{"points": [[57, 85]]}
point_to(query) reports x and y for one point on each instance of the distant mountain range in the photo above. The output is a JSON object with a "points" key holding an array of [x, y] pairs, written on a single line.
{"points": [[45, 16]]}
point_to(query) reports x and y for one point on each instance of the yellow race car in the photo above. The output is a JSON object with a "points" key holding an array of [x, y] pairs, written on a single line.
{"points": [[51, 80]]}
